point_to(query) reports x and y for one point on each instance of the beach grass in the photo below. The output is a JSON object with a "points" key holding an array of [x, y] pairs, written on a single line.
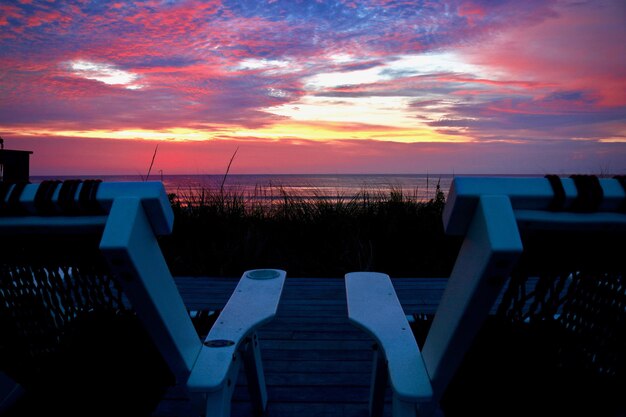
{"points": [[219, 233]]}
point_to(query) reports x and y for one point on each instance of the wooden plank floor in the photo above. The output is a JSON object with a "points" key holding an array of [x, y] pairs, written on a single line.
{"points": [[316, 363]]}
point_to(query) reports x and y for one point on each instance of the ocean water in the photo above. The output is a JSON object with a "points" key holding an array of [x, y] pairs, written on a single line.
{"points": [[270, 187]]}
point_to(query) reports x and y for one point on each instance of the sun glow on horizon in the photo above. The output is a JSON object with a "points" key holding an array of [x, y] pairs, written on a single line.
{"points": [[388, 111], [290, 131], [332, 131]]}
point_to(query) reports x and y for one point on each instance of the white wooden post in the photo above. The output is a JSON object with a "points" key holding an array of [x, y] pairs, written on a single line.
{"points": [[488, 254], [133, 253]]}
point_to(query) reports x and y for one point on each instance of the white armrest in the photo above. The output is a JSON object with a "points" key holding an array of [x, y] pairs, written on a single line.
{"points": [[253, 303], [374, 307]]}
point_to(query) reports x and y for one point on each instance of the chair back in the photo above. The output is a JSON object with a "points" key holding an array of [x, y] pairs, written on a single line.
{"points": [[545, 256], [85, 292]]}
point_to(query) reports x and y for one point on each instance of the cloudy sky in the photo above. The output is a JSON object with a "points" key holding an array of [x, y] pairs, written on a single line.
{"points": [[315, 86]]}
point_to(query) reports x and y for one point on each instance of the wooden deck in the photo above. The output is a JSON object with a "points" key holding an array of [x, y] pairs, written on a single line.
{"points": [[316, 363]]}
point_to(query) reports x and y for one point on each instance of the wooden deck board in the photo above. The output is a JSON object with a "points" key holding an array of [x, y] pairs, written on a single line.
{"points": [[316, 363]]}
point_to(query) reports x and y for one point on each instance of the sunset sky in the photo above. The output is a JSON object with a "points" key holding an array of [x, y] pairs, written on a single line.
{"points": [[317, 86]]}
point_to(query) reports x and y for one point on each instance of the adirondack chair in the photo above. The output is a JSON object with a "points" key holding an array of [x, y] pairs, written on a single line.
{"points": [[92, 322], [533, 317]]}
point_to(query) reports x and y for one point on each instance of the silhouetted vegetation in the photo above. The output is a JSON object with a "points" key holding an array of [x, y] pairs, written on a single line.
{"points": [[218, 234]]}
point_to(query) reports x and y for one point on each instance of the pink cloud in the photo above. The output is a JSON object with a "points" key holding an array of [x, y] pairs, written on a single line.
{"points": [[577, 50], [8, 11], [42, 17], [472, 12]]}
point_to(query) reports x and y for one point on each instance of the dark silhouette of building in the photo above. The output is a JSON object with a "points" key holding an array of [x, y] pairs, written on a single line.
{"points": [[14, 165]]}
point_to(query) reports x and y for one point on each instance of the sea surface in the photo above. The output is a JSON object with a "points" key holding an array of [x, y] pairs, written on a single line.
{"points": [[272, 187]]}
